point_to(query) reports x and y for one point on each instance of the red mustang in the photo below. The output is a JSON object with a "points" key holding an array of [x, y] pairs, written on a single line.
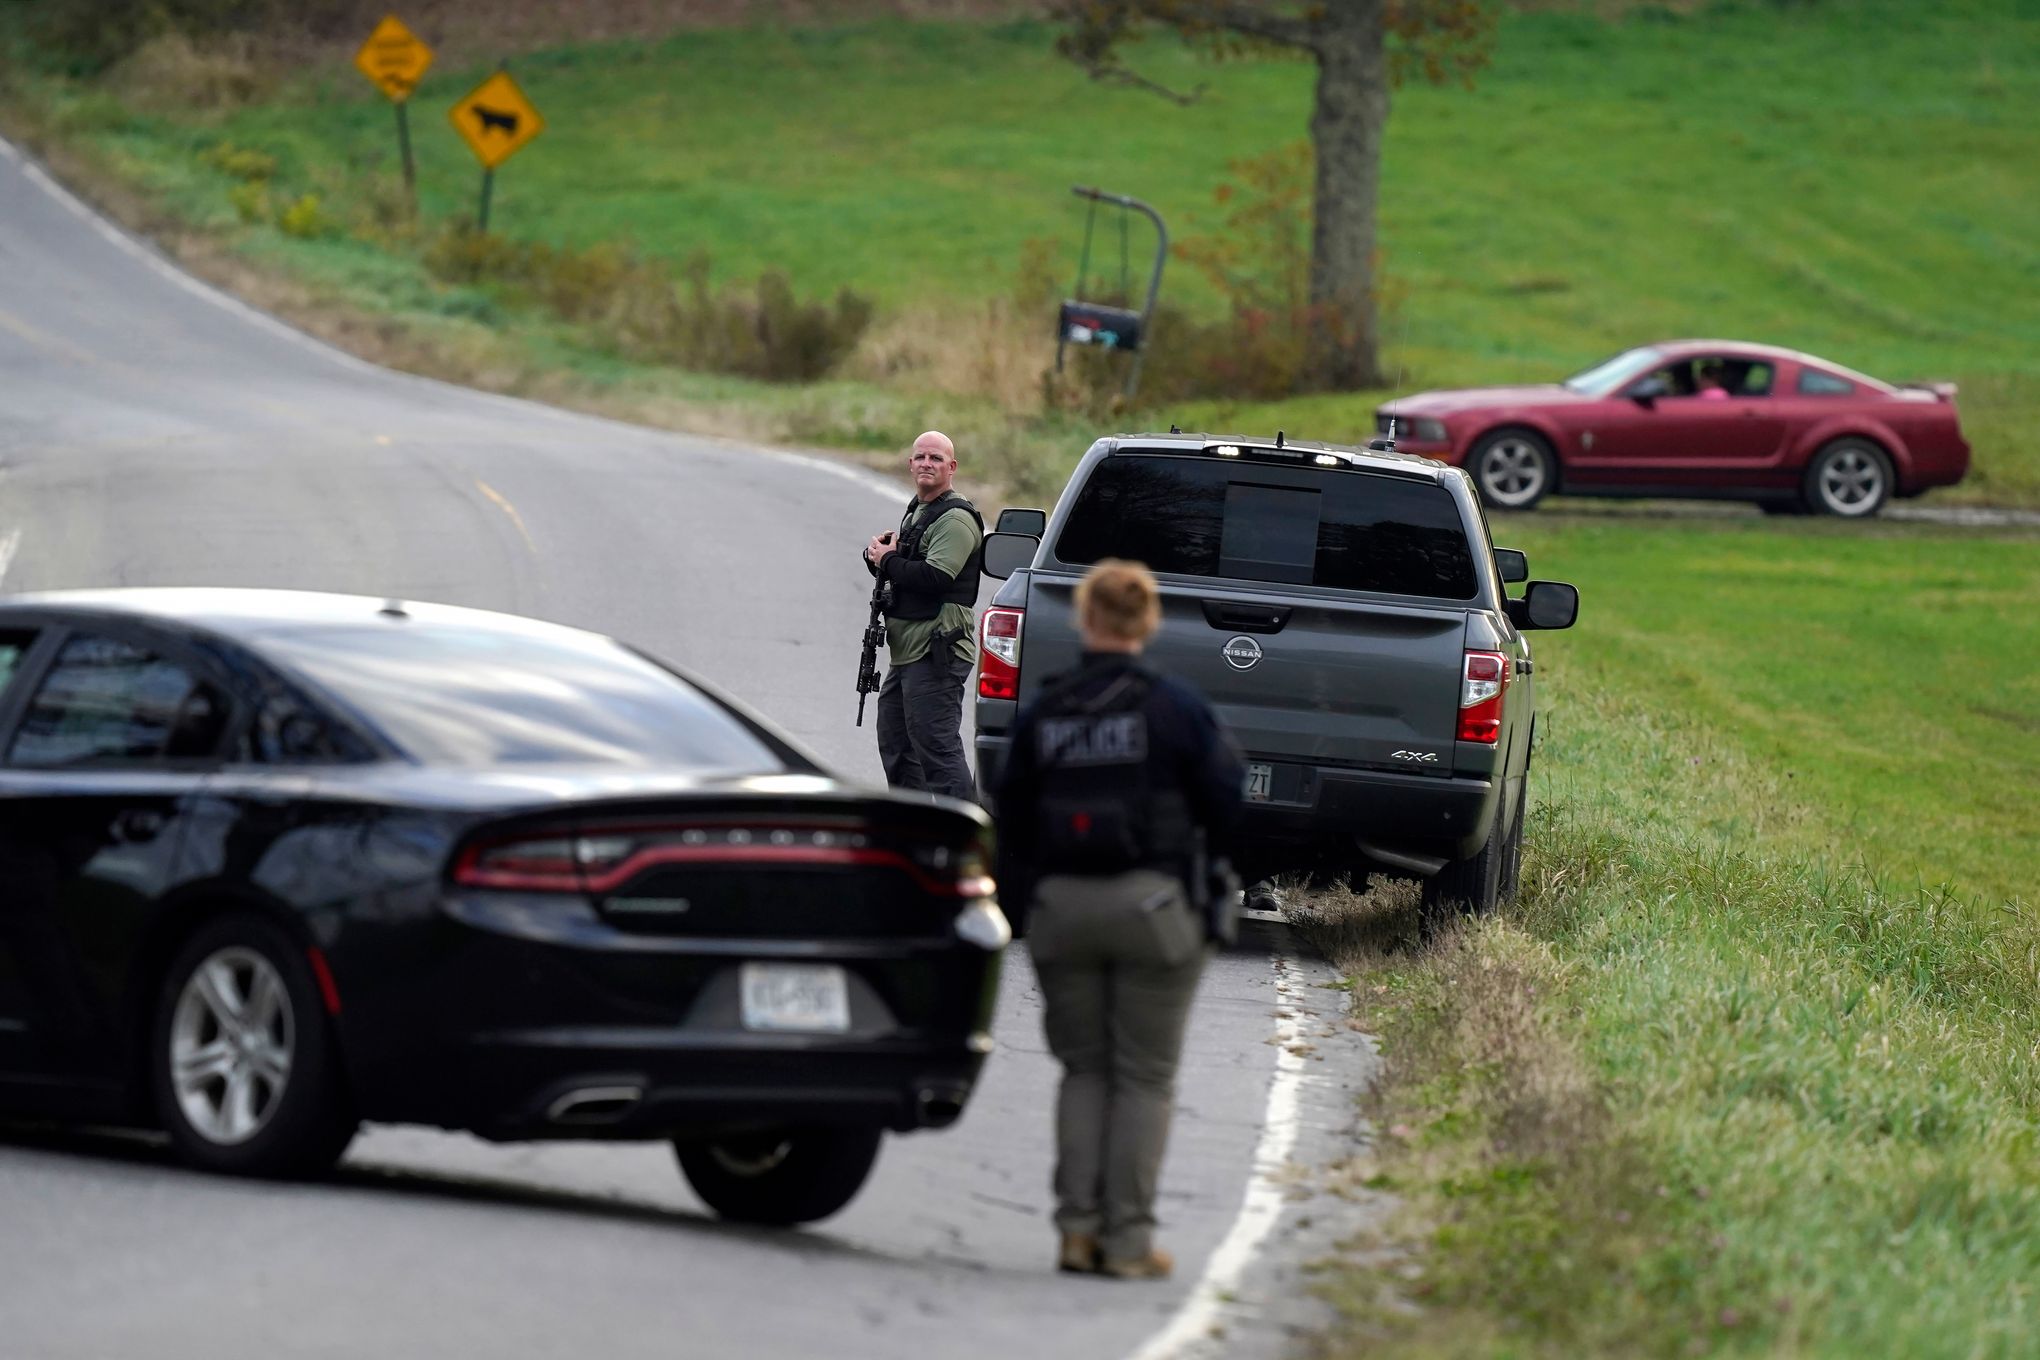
{"points": [[1712, 418]]}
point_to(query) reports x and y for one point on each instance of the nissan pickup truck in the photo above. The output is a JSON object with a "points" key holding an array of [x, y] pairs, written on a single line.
{"points": [[1344, 611]]}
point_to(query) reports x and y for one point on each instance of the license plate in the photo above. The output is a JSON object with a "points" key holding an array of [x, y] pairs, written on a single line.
{"points": [[812, 997], [1260, 783]]}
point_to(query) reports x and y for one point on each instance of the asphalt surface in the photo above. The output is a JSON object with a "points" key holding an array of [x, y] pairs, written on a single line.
{"points": [[152, 433]]}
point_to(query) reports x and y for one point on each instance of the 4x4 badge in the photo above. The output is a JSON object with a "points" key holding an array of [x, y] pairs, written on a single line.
{"points": [[1418, 757], [1241, 653]]}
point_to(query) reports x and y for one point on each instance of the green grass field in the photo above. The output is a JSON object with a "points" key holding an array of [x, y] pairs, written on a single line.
{"points": [[1753, 1067], [1852, 179]]}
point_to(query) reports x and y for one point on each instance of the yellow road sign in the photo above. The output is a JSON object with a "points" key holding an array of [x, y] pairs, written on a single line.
{"points": [[394, 58], [496, 120]]}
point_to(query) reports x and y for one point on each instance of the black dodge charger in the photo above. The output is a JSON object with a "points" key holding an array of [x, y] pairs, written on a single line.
{"points": [[273, 863]]}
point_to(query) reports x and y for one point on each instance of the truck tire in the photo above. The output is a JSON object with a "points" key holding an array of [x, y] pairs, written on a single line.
{"points": [[1512, 851], [780, 1177], [1473, 886]]}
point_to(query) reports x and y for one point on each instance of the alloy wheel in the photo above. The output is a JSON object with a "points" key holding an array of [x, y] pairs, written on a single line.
{"points": [[1851, 482], [232, 1041], [1512, 472]]}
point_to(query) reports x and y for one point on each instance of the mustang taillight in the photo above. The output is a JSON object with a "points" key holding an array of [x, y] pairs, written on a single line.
{"points": [[601, 859], [1484, 684], [999, 654]]}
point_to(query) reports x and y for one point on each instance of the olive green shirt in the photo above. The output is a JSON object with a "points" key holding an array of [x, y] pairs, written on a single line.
{"points": [[950, 541]]}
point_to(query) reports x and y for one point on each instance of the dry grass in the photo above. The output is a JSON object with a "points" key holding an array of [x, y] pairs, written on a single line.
{"points": [[211, 75]]}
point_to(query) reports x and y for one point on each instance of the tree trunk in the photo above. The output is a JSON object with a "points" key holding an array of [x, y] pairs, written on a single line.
{"points": [[1346, 129]]}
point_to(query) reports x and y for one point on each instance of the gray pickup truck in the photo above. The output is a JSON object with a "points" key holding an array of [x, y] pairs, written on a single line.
{"points": [[1344, 611]]}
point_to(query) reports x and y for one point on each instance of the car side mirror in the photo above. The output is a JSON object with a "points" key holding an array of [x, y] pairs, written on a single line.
{"points": [[1546, 604], [1014, 520], [1648, 391], [1512, 564], [1006, 553]]}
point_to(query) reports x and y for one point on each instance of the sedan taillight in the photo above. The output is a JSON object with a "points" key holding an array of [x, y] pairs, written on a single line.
{"points": [[1483, 686], [599, 860], [999, 654]]}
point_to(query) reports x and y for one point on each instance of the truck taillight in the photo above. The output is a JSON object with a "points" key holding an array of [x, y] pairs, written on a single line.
{"points": [[999, 654], [1481, 691]]}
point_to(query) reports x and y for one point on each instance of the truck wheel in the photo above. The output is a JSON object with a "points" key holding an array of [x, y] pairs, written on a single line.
{"points": [[241, 1056], [1469, 885], [782, 1177], [1513, 469], [1512, 852]]}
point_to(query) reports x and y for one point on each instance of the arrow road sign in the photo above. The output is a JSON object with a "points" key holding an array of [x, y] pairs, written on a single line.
{"points": [[394, 58]]}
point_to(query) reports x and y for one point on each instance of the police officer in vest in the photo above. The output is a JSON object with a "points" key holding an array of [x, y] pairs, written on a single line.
{"points": [[1117, 779], [932, 566]]}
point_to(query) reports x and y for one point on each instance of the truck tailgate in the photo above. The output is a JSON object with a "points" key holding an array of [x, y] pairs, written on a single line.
{"points": [[1339, 680]]}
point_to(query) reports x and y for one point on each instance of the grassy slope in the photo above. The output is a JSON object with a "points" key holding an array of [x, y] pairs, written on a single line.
{"points": [[1728, 1080], [1846, 178]]}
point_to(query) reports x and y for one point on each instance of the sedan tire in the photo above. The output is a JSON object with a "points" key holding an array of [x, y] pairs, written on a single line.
{"points": [[1513, 469], [241, 1056], [1848, 478], [780, 1178]]}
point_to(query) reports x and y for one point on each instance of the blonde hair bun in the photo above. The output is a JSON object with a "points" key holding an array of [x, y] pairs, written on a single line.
{"points": [[1119, 599]]}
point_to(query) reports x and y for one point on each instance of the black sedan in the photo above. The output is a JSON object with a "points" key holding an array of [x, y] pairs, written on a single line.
{"points": [[274, 863]]}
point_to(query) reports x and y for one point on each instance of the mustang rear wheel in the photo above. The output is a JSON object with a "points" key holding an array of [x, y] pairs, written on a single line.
{"points": [[780, 1177], [1514, 469], [1849, 478], [241, 1055]]}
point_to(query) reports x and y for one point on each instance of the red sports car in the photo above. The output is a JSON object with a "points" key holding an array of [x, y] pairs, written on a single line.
{"points": [[1713, 418]]}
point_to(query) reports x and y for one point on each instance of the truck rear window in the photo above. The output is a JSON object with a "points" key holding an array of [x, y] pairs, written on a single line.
{"points": [[1257, 522]]}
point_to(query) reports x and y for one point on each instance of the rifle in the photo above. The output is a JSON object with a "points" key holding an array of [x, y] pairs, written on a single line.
{"points": [[874, 638]]}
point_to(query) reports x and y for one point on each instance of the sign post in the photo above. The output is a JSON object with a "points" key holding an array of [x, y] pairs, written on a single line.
{"points": [[495, 120], [394, 59]]}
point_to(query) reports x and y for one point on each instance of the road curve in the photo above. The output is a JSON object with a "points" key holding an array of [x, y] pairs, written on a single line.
{"points": [[153, 432]]}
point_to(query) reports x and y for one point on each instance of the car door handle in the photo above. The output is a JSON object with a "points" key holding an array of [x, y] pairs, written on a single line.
{"points": [[137, 826], [1246, 618]]}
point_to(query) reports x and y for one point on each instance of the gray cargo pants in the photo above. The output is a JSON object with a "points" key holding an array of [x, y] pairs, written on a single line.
{"points": [[920, 725], [1118, 960]]}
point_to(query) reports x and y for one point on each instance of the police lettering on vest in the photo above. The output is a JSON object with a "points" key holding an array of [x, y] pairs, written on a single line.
{"points": [[1100, 811]]}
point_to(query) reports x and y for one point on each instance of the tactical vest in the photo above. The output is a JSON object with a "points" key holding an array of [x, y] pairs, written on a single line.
{"points": [[925, 604], [1102, 811]]}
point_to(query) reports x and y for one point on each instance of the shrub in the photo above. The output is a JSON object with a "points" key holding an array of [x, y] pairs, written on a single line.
{"points": [[639, 307], [304, 218], [239, 162], [250, 200]]}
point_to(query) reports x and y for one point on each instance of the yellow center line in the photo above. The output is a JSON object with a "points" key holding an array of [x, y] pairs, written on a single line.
{"points": [[503, 504], [42, 339]]}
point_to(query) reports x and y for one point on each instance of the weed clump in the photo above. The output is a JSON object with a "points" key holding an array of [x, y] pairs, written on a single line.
{"points": [[766, 332]]}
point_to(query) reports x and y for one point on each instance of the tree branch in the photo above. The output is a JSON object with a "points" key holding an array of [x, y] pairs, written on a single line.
{"points": [[1112, 72]]}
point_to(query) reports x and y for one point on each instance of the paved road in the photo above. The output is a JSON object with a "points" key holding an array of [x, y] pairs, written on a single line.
{"points": [[150, 434]]}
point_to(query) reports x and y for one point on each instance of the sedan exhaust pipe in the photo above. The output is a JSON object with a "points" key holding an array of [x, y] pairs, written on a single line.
{"points": [[595, 1104]]}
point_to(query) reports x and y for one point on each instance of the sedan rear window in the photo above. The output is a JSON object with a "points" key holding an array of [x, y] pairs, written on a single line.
{"points": [[1261, 522], [477, 697]]}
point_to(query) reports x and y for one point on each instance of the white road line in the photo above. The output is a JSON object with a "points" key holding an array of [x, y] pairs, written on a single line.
{"points": [[129, 245], [1261, 1206], [9, 541]]}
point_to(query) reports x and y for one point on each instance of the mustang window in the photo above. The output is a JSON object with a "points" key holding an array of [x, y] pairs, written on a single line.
{"points": [[1814, 383]]}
